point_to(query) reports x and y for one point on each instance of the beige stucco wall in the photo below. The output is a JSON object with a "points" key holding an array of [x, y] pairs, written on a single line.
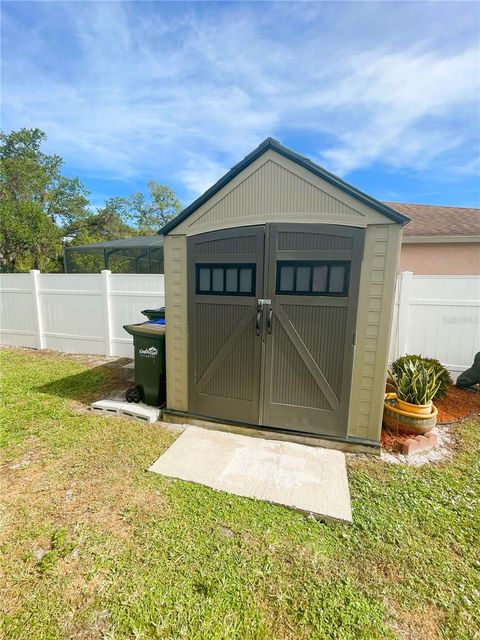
{"points": [[274, 189], [459, 258]]}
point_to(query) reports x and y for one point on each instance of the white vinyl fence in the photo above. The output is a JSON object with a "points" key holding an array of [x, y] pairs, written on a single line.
{"points": [[437, 316], [76, 313]]}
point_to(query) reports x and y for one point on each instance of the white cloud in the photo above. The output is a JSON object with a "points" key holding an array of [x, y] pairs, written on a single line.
{"points": [[200, 173], [404, 106], [186, 90]]}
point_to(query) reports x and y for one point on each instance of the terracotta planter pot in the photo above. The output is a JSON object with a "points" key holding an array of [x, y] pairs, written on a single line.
{"points": [[396, 418], [417, 409]]}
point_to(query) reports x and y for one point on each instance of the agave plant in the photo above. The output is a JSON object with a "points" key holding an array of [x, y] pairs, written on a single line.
{"points": [[414, 382], [441, 372]]}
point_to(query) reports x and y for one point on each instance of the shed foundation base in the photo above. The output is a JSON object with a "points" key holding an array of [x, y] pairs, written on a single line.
{"points": [[349, 445]]}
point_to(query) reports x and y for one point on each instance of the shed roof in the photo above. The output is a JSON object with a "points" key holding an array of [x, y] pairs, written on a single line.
{"points": [[139, 242], [436, 220], [304, 162]]}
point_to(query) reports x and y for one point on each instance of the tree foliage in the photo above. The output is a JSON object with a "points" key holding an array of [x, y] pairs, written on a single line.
{"points": [[42, 210], [164, 205], [35, 202], [108, 223], [28, 237], [147, 216]]}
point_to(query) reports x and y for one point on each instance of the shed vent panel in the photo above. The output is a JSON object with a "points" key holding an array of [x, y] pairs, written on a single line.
{"points": [[297, 241], [241, 245]]}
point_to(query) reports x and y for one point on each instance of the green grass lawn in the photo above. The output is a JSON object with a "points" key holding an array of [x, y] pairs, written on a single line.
{"points": [[93, 546]]}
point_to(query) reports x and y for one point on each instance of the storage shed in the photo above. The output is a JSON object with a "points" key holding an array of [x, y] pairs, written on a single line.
{"points": [[279, 284]]}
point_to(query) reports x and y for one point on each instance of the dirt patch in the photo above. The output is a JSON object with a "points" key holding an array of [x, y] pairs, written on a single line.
{"points": [[455, 406], [458, 404], [92, 360], [394, 440], [418, 623]]}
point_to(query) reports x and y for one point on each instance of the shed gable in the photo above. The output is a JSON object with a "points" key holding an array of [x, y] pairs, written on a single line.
{"points": [[273, 189], [275, 184]]}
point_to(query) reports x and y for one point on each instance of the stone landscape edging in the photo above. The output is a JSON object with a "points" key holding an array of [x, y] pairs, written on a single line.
{"points": [[420, 443]]}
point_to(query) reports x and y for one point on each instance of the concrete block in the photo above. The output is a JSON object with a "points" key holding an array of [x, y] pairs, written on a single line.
{"points": [[126, 409]]}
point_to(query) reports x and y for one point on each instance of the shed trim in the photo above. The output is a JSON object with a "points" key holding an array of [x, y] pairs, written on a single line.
{"points": [[304, 162]]}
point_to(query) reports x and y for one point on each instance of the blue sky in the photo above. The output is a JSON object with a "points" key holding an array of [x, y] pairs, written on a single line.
{"points": [[386, 95]]}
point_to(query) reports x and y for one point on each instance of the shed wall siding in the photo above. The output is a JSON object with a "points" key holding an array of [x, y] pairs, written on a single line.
{"points": [[377, 291], [275, 189], [176, 318]]}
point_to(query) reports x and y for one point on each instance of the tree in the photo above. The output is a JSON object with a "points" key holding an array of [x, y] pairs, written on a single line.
{"points": [[36, 201], [151, 216], [40, 208], [108, 223], [28, 238], [124, 217]]}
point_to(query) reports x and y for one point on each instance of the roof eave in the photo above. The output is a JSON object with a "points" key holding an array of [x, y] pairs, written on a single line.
{"points": [[120, 244], [439, 239]]}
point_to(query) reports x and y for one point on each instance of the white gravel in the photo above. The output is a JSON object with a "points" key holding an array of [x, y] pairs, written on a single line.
{"points": [[443, 451]]}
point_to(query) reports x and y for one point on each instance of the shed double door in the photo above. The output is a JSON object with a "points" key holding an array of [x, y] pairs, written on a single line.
{"points": [[272, 313]]}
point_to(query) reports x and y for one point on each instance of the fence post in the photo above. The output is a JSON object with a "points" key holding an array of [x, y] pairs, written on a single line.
{"points": [[37, 305], [404, 295], [106, 273]]}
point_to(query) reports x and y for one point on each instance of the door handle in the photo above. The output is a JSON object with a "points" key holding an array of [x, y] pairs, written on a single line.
{"points": [[261, 302], [269, 320], [258, 319], [258, 323]]}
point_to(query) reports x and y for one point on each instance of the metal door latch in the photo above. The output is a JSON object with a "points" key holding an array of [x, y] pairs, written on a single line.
{"points": [[262, 302]]}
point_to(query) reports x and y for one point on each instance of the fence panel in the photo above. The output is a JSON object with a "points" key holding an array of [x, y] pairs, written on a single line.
{"points": [[129, 294], [75, 313], [444, 319], [17, 310], [72, 312], [438, 316]]}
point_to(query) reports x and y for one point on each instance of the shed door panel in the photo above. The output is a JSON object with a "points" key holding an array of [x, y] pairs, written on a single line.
{"points": [[312, 278], [225, 279]]}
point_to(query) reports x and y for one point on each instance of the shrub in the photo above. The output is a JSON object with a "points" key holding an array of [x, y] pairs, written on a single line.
{"points": [[442, 375]]}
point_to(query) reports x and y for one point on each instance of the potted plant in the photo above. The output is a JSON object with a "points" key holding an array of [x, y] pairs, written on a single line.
{"points": [[443, 376], [415, 384], [410, 406]]}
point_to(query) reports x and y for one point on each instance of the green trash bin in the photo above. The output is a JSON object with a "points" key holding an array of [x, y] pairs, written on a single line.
{"points": [[150, 378], [154, 314]]}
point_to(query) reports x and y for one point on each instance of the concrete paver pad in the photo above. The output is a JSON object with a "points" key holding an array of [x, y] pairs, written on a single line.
{"points": [[309, 479]]}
